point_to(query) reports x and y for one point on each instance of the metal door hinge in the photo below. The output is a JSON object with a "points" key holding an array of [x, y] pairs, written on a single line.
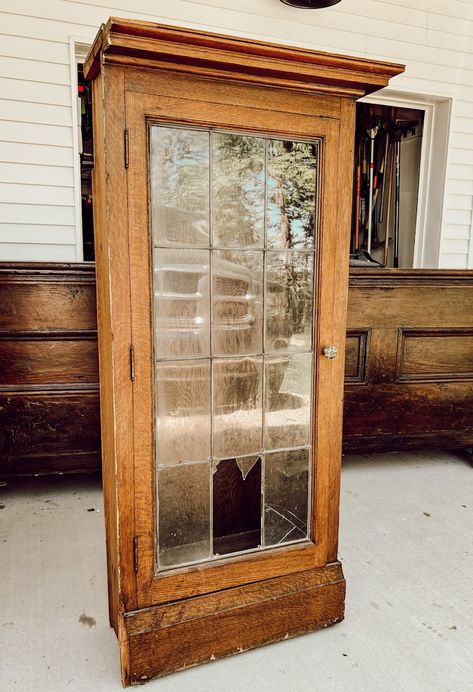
{"points": [[126, 147], [132, 364], [135, 553]]}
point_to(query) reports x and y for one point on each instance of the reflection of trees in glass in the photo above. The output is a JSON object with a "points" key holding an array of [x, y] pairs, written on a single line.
{"points": [[299, 277], [238, 190], [291, 220], [291, 193], [180, 185]]}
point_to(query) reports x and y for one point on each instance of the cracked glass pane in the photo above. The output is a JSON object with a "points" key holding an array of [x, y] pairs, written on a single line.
{"points": [[286, 496], [236, 505]]}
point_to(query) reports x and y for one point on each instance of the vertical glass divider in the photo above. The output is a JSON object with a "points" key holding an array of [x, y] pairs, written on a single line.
{"points": [[212, 413], [263, 485], [263, 394]]}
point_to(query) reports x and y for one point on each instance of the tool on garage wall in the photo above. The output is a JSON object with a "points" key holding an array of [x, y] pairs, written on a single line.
{"points": [[385, 188]]}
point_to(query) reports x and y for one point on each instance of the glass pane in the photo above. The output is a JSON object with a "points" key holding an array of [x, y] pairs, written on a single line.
{"points": [[237, 428], [219, 304], [237, 297], [286, 496], [182, 411], [237, 190], [287, 394], [179, 163], [236, 505], [183, 514], [289, 296], [181, 303], [291, 194]]}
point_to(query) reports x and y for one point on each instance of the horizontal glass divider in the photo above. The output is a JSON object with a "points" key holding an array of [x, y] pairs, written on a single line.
{"points": [[286, 449], [239, 356], [247, 553], [236, 457], [233, 131], [236, 248], [183, 463]]}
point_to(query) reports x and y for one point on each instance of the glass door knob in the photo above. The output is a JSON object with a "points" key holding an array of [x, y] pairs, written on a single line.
{"points": [[330, 352]]}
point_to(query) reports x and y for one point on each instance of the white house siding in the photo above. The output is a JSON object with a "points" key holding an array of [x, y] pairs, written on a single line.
{"points": [[37, 213]]}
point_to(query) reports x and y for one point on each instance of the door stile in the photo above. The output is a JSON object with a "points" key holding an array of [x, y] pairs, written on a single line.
{"points": [[141, 299]]}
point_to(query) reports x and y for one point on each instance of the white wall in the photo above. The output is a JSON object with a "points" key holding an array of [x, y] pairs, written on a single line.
{"points": [[37, 214]]}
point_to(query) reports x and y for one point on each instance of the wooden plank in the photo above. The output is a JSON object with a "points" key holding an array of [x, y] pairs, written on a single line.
{"points": [[37, 426], [53, 359], [48, 350], [178, 635], [435, 354], [67, 304], [171, 84]]}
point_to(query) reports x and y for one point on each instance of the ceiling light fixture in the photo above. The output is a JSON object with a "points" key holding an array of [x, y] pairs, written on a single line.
{"points": [[310, 4]]}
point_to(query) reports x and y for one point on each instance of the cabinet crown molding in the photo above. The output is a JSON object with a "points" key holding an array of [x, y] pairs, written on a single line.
{"points": [[146, 44]]}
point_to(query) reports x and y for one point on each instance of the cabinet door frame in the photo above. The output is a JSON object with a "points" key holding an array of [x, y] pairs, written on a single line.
{"points": [[331, 276]]}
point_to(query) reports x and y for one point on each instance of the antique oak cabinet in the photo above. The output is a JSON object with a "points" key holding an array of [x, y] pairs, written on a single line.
{"points": [[222, 188]]}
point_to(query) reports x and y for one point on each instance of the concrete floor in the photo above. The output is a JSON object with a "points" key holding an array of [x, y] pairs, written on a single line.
{"points": [[407, 550]]}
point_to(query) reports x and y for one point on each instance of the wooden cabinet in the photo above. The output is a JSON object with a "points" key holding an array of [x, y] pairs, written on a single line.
{"points": [[222, 187]]}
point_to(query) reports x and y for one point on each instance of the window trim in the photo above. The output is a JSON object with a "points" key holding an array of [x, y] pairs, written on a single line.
{"points": [[433, 168]]}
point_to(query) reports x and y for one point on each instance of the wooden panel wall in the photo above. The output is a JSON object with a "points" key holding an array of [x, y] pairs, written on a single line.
{"points": [[409, 364], [49, 401]]}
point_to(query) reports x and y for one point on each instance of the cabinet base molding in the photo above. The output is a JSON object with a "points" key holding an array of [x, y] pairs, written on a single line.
{"points": [[163, 639]]}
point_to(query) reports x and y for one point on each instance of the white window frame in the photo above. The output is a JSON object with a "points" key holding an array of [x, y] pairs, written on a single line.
{"points": [[433, 168], [78, 49]]}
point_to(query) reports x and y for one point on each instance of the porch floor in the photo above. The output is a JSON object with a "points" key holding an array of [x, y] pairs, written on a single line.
{"points": [[406, 544]]}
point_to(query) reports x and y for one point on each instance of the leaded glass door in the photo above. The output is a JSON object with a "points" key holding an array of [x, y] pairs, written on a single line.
{"points": [[233, 405], [233, 218]]}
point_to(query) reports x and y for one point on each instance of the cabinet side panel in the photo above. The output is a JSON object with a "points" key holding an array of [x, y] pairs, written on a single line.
{"points": [[114, 335], [104, 342]]}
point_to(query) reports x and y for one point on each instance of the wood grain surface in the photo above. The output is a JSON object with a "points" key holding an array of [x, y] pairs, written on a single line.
{"points": [[49, 372], [177, 635], [415, 384]]}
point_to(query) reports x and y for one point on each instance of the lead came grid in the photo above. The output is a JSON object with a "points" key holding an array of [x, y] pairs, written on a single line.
{"points": [[233, 220]]}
